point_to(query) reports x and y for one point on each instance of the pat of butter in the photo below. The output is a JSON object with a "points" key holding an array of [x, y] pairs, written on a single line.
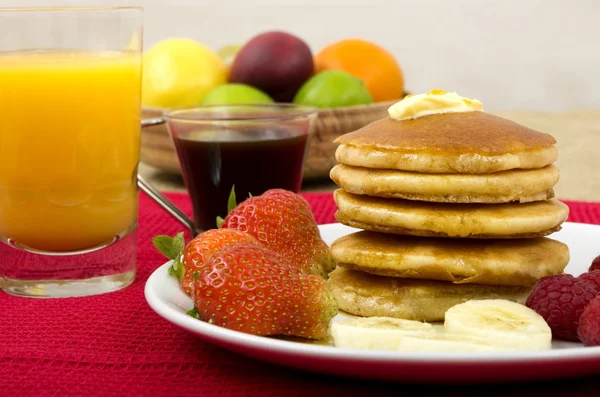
{"points": [[434, 102]]}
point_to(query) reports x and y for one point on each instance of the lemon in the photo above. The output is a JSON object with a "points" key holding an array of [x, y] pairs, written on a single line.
{"points": [[332, 89], [235, 93], [178, 72]]}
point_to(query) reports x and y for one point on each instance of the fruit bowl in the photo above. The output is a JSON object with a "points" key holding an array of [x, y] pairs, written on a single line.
{"points": [[158, 150]]}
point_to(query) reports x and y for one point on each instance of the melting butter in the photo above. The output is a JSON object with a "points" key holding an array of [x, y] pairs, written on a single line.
{"points": [[433, 102]]}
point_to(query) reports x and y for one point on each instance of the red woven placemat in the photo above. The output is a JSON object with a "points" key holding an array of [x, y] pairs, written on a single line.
{"points": [[115, 345]]}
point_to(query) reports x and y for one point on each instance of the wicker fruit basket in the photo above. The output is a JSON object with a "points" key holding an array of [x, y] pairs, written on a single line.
{"points": [[158, 150]]}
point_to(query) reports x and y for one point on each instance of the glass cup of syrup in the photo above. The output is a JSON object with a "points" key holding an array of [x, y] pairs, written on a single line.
{"points": [[249, 148]]}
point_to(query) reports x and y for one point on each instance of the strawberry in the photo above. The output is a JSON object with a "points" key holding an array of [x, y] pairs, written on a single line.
{"points": [[248, 288], [196, 252], [283, 222]]}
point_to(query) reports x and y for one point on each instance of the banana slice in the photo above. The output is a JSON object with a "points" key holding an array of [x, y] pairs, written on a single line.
{"points": [[376, 333], [444, 342], [500, 322]]}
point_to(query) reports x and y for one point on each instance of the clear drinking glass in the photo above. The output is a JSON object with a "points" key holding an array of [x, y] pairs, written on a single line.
{"points": [[252, 147], [70, 110]]}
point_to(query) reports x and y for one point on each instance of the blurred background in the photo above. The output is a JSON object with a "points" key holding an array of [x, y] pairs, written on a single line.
{"points": [[510, 54], [533, 61]]}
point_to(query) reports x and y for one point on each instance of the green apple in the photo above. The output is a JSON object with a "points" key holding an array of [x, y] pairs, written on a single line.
{"points": [[332, 89], [228, 53], [233, 93]]}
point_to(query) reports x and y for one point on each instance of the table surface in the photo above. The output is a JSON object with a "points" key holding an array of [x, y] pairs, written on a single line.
{"points": [[115, 345], [151, 355], [577, 133]]}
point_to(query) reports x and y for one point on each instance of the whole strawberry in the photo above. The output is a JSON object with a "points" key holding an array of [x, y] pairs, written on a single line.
{"points": [[248, 288], [196, 252], [283, 222], [560, 299]]}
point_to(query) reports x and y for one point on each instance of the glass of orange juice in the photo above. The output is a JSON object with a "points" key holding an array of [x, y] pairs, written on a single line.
{"points": [[70, 89]]}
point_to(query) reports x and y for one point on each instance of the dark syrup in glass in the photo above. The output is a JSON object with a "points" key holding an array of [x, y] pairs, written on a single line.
{"points": [[254, 161]]}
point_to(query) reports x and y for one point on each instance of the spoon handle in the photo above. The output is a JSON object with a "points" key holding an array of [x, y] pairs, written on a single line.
{"points": [[167, 205]]}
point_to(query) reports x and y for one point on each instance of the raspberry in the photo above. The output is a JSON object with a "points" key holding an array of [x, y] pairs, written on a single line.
{"points": [[560, 300], [589, 324], [593, 278], [595, 264]]}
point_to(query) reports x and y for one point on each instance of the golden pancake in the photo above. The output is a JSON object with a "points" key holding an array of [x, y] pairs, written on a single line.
{"points": [[500, 262], [420, 218], [471, 142], [367, 295], [424, 233], [500, 187]]}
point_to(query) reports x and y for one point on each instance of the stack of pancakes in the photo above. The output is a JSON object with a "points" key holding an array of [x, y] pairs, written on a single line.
{"points": [[454, 207]]}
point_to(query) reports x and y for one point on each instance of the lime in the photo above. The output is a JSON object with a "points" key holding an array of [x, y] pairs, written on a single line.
{"points": [[235, 93], [332, 89], [179, 72]]}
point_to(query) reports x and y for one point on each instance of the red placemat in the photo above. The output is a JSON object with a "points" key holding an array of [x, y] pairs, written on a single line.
{"points": [[115, 345]]}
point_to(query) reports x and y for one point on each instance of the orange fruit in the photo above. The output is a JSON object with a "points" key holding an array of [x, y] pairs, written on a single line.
{"points": [[374, 65]]}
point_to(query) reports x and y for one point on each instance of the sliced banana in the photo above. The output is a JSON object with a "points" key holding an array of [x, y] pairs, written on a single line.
{"points": [[444, 342], [376, 333], [500, 322]]}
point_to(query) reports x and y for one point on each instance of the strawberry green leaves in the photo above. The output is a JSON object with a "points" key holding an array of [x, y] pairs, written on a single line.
{"points": [[172, 248], [231, 204], [193, 313]]}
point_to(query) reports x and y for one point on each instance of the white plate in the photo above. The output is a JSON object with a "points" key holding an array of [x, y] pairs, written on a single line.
{"points": [[564, 360]]}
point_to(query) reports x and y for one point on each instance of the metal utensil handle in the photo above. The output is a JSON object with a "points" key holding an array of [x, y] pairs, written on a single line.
{"points": [[152, 122], [166, 205], [158, 197]]}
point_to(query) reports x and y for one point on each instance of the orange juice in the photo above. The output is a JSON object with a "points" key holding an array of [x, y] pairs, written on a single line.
{"points": [[69, 147]]}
